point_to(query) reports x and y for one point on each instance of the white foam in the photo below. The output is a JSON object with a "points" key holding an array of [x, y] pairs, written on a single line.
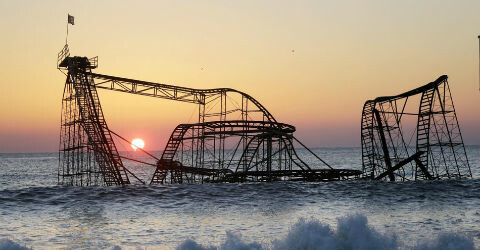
{"points": [[352, 233], [233, 241], [447, 241], [6, 244], [190, 244]]}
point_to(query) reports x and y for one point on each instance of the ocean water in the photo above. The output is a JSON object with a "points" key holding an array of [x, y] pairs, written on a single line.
{"points": [[36, 213]]}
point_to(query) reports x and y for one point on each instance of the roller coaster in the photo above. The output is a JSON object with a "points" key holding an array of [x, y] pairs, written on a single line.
{"points": [[235, 139], [390, 124]]}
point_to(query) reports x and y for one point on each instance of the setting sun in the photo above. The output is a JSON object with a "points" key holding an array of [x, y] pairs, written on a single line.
{"points": [[137, 143]]}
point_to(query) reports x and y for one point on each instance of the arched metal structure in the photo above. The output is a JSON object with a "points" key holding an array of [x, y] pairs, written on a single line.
{"points": [[438, 151], [235, 139]]}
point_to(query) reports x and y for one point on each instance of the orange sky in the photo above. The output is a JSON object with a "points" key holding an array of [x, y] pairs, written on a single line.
{"points": [[345, 53]]}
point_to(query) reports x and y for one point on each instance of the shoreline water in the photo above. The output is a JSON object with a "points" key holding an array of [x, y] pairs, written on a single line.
{"points": [[38, 213]]}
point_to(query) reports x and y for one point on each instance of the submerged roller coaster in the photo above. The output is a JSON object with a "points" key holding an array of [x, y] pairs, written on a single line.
{"points": [[236, 139], [413, 136]]}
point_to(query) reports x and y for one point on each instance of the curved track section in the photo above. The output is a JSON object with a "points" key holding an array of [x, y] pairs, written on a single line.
{"points": [[202, 146], [236, 151], [183, 94]]}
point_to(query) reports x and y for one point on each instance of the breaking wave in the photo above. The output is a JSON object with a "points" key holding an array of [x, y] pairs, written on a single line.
{"points": [[447, 241], [7, 244], [352, 233]]}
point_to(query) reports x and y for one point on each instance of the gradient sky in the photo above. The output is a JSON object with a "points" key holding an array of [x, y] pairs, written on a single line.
{"points": [[345, 53]]}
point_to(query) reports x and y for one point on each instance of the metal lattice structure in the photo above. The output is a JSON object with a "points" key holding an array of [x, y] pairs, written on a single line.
{"points": [[438, 151], [236, 139]]}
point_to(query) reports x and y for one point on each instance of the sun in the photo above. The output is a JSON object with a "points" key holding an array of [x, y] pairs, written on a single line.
{"points": [[137, 143]]}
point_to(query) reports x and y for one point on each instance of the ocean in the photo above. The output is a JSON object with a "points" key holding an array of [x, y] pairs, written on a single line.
{"points": [[36, 213]]}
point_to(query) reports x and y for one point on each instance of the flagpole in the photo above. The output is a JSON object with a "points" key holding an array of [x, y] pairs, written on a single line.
{"points": [[66, 38]]}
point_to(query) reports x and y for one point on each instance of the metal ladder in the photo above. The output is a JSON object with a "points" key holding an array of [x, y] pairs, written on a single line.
{"points": [[423, 129], [368, 153], [166, 162]]}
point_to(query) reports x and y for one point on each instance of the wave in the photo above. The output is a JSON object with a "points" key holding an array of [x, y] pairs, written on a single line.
{"points": [[378, 192], [7, 244], [352, 233], [447, 241]]}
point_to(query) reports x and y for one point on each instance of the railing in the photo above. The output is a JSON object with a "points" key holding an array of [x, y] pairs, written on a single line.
{"points": [[93, 62], [64, 53]]}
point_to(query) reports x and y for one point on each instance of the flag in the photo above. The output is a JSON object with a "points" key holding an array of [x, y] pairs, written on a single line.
{"points": [[71, 20]]}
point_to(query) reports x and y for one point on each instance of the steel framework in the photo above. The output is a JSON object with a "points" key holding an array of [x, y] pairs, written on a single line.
{"points": [[438, 151], [235, 139]]}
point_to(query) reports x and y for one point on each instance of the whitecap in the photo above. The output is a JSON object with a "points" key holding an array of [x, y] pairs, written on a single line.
{"points": [[352, 233], [7, 244]]}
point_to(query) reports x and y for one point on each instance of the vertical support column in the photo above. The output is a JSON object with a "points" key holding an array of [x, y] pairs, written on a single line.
{"points": [[269, 156], [386, 155], [245, 134]]}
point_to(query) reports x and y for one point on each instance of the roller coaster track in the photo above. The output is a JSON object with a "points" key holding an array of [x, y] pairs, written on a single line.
{"points": [[167, 162], [171, 92]]}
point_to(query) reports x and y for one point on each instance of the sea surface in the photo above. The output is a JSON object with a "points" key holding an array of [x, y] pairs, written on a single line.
{"points": [[36, 213]]}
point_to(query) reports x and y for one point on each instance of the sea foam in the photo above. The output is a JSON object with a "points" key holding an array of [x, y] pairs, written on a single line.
{"points": [[7, 244], [352, 233], [447, 241]]}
